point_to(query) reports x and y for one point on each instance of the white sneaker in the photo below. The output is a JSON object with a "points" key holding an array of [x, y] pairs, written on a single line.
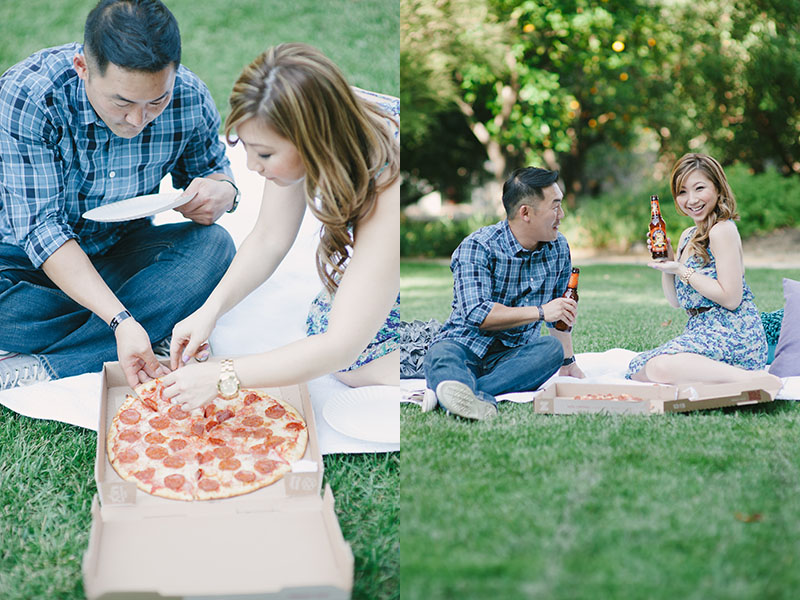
{"points": [[21, 369], [460, 400]]}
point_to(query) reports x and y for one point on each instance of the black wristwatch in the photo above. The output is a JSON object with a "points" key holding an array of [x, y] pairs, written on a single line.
{"points": [[568, 361], [236, 196]]}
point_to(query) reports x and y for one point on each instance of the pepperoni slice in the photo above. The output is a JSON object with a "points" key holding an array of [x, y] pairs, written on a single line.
{"points": [[198, 428], [130, 416], [209, 410], [217, 441], [127, 456], [253, 421], [276, 411], [145, 474], [155, 438], [156, 452], [266, 465], [159, 422], [204, 457], [274, 441], [241, 432], [174, 481], [261, 432], [245, 476], [177, 413], [230, 464], [208, 485], [224, 452], [177, 444], [224, 415], [150, 403], [129, 435], [174, 462], [295, 426], [211, 424], [259, 449], [250, 398]]}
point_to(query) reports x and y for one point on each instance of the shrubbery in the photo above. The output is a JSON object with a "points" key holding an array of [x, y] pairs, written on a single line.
{"points": [[617, 220]]}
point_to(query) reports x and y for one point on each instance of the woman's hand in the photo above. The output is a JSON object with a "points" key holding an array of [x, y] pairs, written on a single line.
{"points": [[193, 386], [671, 267], [189, 338]]}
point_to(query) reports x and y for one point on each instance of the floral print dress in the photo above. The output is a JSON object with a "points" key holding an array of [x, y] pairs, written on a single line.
{"points": [[735, 337]]}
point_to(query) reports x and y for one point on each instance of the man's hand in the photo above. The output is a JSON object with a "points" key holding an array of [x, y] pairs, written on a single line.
{"points": [[561, 309], [212, 198], [572, 370], [136, 355]]}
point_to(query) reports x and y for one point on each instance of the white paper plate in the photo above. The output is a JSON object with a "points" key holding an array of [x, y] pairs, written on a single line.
{"points": [[369, 413], [136, 208]]}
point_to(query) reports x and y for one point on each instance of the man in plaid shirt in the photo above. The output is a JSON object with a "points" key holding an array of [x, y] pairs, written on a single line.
{"points": [[509, 278], [85, 125]]}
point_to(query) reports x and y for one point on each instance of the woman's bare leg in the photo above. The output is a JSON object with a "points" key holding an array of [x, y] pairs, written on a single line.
{"points": [[693, 368], [381, 371]]}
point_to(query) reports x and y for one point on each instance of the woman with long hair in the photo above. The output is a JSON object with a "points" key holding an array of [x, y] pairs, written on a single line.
{"points": [[318, 143], [724, 339]]}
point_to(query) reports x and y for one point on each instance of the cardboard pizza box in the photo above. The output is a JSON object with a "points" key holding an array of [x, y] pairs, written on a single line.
{"points": [[281, 541], [560, 398]]}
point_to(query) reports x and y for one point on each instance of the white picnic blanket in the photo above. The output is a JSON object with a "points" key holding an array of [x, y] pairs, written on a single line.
{"points": [[273, 315], [599, 367]]}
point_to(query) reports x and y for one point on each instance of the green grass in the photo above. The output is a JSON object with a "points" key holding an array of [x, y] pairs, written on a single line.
{"points": [[702, 505], [46, 469], [220, 37]]}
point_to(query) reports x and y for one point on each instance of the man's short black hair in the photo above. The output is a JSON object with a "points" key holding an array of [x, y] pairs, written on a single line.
{"points": [[138, 35], [525, 183]]}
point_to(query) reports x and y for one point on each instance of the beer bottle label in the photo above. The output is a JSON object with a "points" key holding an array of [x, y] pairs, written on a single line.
{"points": [[658, 240]]}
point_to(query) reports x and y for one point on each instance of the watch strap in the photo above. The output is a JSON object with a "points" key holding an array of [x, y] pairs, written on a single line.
{"points": [[236, 197], [568, 361], [118, 318]]}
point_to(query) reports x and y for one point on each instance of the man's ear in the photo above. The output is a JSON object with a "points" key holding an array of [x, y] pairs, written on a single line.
{"points": [[525, 212], [79, 63]]}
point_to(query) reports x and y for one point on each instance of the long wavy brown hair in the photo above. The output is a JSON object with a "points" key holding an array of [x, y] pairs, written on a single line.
{"points": [[343, 140], [726, 201]]}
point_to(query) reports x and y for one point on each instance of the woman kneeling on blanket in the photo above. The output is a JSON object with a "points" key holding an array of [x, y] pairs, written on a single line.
{"points": [[724, 339], [317, 143]]}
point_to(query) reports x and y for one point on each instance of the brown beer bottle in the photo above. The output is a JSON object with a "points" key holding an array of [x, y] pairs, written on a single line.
{"points": [[572, 292], [658, 231]]}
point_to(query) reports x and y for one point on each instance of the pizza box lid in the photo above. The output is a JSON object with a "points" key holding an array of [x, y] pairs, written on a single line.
{"points": [[277, 542], [559, 397]]}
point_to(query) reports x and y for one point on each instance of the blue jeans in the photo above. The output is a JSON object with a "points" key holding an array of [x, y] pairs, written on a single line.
{"points": [[160, 273], [500, 371]]}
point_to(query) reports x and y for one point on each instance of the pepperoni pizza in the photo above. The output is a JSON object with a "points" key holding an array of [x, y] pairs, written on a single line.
{"points": [[231, 447]]}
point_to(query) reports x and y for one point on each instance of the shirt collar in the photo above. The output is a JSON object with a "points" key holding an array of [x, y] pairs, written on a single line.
{"points": [[515, 248]]}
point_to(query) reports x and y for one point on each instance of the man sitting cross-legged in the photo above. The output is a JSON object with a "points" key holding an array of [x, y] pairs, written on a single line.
{"points": [[508, 278]]}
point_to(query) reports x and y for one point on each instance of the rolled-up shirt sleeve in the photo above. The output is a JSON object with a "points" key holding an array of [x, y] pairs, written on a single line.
{"points": [[31, 176], [473, 282]]}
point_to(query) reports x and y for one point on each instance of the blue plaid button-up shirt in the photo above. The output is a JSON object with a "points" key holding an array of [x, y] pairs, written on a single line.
{"points": [[58, 159], [491, 266]]}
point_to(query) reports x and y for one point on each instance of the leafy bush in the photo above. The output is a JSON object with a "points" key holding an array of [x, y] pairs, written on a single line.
{"points": [[436, 238], [617, 220]]}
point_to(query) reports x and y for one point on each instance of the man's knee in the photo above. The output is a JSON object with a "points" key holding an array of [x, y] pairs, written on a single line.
{"points": [[220, 243]]}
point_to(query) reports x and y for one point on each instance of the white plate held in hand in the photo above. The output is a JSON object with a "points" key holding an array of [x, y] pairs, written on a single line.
{"points": [[136, 208], [369, 413]]}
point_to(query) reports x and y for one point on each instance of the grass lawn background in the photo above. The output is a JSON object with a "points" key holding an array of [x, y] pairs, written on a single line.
{"points": [[702, 505], [46, 468]]}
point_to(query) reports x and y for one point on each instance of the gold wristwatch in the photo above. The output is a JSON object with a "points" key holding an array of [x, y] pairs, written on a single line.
{"points": [[228, 383]]}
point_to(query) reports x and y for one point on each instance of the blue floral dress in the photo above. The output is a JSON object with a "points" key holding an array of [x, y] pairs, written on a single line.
{"points": [[735, 337], [387, 338]]}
